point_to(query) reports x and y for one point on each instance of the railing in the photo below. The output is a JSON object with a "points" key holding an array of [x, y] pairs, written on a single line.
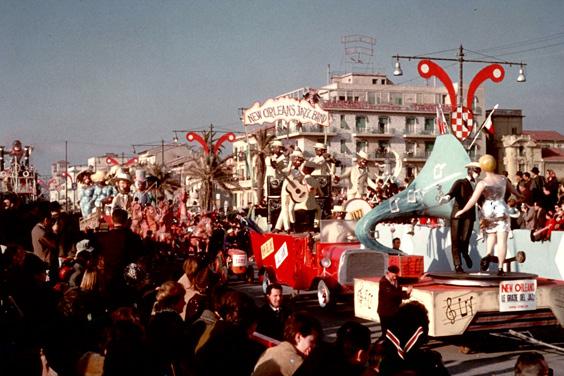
{"points": [[417, 155], [385, 107], [374, 131]]}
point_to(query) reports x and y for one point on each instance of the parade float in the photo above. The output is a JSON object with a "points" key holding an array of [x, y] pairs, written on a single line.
{"points": [[18, 176], [311, 260], [530, 293]]}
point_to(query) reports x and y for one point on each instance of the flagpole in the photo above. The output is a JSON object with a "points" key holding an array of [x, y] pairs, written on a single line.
{"points": [[482, 127]]}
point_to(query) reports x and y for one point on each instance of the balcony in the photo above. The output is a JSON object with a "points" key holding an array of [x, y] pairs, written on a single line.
{"points": [[380, 156], [423, 135], [419, 156], [295, 131], [370, 132]]}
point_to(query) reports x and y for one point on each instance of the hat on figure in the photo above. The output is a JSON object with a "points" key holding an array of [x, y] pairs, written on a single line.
{"points": [[276, 143], [319, 145], [362, 155], [338, 209], [122, 175], [98, 177], [297, 154], [472, 165]]}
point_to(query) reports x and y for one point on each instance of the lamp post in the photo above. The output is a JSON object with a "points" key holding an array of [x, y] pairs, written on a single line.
{"points": [[462, 115]]}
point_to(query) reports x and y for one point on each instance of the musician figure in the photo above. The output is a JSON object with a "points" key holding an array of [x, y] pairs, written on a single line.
{"points": [[295, 176], [461, 227], [325, 164], [313, 189], [123, 198], [358, 176]]}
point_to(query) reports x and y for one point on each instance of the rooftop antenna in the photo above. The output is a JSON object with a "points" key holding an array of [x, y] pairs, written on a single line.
{"points": [[359, 53]]}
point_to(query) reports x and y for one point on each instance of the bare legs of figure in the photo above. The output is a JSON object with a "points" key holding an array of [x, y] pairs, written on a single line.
{"points": [[498, 239]]}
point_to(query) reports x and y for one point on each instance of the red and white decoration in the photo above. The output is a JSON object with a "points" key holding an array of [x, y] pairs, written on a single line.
{"points": [[462, 122]]}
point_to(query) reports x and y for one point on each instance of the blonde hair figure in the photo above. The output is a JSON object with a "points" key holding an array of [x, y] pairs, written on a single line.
{"points": [[494, 213]]}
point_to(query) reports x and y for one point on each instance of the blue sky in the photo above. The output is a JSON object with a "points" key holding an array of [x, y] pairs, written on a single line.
{"points": [[108, 74]]}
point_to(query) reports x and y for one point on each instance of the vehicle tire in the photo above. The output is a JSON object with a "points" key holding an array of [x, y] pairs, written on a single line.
{"points": [[325, 296], [266, 280]]}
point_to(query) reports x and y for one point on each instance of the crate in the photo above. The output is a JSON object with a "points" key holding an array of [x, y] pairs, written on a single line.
{"points": [[410, 266]]}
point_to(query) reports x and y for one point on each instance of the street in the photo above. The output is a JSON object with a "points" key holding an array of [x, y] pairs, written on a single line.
{"points": [[490, 354]]}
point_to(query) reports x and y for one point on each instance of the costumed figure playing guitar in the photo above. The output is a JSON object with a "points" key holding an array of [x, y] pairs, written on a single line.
{"points": [[312, 190], [292, 191]]}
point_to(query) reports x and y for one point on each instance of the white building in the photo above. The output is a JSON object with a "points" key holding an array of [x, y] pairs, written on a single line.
{"points": [[370, 113]]}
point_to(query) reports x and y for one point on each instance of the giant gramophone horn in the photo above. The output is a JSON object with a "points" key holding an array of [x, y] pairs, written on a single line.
{"points": [[444, 166]]}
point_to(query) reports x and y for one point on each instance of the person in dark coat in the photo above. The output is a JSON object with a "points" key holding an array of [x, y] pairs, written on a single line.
{"points": [[461, 227], [118, 248], [273, 314], [347, 356], [390, 295]]}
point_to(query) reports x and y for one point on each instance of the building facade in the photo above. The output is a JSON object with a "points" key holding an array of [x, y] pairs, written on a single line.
{"points": [[369, 113]]}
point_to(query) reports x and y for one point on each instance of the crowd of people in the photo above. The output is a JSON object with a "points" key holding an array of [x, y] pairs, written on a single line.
{"points": [[114, 303], [541, 208]]}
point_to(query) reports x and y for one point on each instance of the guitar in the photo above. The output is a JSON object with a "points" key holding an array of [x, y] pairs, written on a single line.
{"points": [[298, 191]]}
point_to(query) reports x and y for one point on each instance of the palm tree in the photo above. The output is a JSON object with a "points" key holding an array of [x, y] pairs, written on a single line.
{"points": [[162, 183], [211, 172], [263, 139]]}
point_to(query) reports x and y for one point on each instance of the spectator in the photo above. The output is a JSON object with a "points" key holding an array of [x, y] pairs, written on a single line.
{"points": [[191, 267], [531, 364], [273, 314], [402, 351], [165, 331], [396, 244], [537, 183], [390, 295], [45, 244], [300, 338], [229, 349], [347, 356]]}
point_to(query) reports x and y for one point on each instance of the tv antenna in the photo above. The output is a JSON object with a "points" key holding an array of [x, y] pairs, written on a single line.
{"points": [[359, 52]]}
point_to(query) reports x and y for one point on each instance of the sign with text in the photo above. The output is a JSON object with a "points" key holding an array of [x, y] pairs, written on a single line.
{"points": [[287, 109], [267, 248], [518, 295]]}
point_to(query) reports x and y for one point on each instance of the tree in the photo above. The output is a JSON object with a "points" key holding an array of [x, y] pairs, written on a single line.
{"points": [[161, 182], [263, 140], [211, 172]]}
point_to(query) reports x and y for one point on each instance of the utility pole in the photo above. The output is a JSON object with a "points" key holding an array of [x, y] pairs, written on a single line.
{"points": [[66, 177], [162, 153]]}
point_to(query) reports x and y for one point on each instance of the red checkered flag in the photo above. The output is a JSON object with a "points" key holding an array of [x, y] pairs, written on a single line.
{"points": [[462, 122]]}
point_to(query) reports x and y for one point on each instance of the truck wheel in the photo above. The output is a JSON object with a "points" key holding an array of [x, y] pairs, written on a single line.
{"points": [[325, 296], [266, 280]]}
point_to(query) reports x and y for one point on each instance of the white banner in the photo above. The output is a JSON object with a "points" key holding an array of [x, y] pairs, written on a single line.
{"points": [[288, 109], [518, 295]]}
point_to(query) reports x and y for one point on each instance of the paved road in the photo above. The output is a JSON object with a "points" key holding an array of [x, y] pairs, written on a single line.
{"points": [[491, 354]]}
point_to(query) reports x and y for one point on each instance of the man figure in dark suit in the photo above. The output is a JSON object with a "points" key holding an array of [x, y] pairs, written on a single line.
{"points": [[461, 227], [273, 314], [390, 295]]}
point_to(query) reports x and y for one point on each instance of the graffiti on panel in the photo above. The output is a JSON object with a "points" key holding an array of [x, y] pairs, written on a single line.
{"points": [[456, 308], [366, 296]]}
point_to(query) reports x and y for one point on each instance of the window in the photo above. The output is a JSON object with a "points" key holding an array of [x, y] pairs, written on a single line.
{"points": [[429, 125], [409, 125], [397, 98], [344, 149], [383, 122], [513, 130], [360, 123], [371, 98], [374, 81], [362, 146], [344, 124], [428, 148]]}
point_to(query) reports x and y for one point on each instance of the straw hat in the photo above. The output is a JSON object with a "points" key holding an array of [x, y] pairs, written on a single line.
{"points": [[338, 209], [472, 165], [98, 177], [276, 143], [362, 154], [319, 145]]}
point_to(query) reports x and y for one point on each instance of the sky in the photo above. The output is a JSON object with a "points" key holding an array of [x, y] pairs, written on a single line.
{"points": [[106, 74]]}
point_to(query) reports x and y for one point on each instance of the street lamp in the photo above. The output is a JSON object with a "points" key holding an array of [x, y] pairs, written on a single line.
{"points": [[462, 119]]}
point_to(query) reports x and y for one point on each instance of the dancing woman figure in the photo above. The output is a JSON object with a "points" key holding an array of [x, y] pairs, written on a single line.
{"points": [[495, 212]]}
